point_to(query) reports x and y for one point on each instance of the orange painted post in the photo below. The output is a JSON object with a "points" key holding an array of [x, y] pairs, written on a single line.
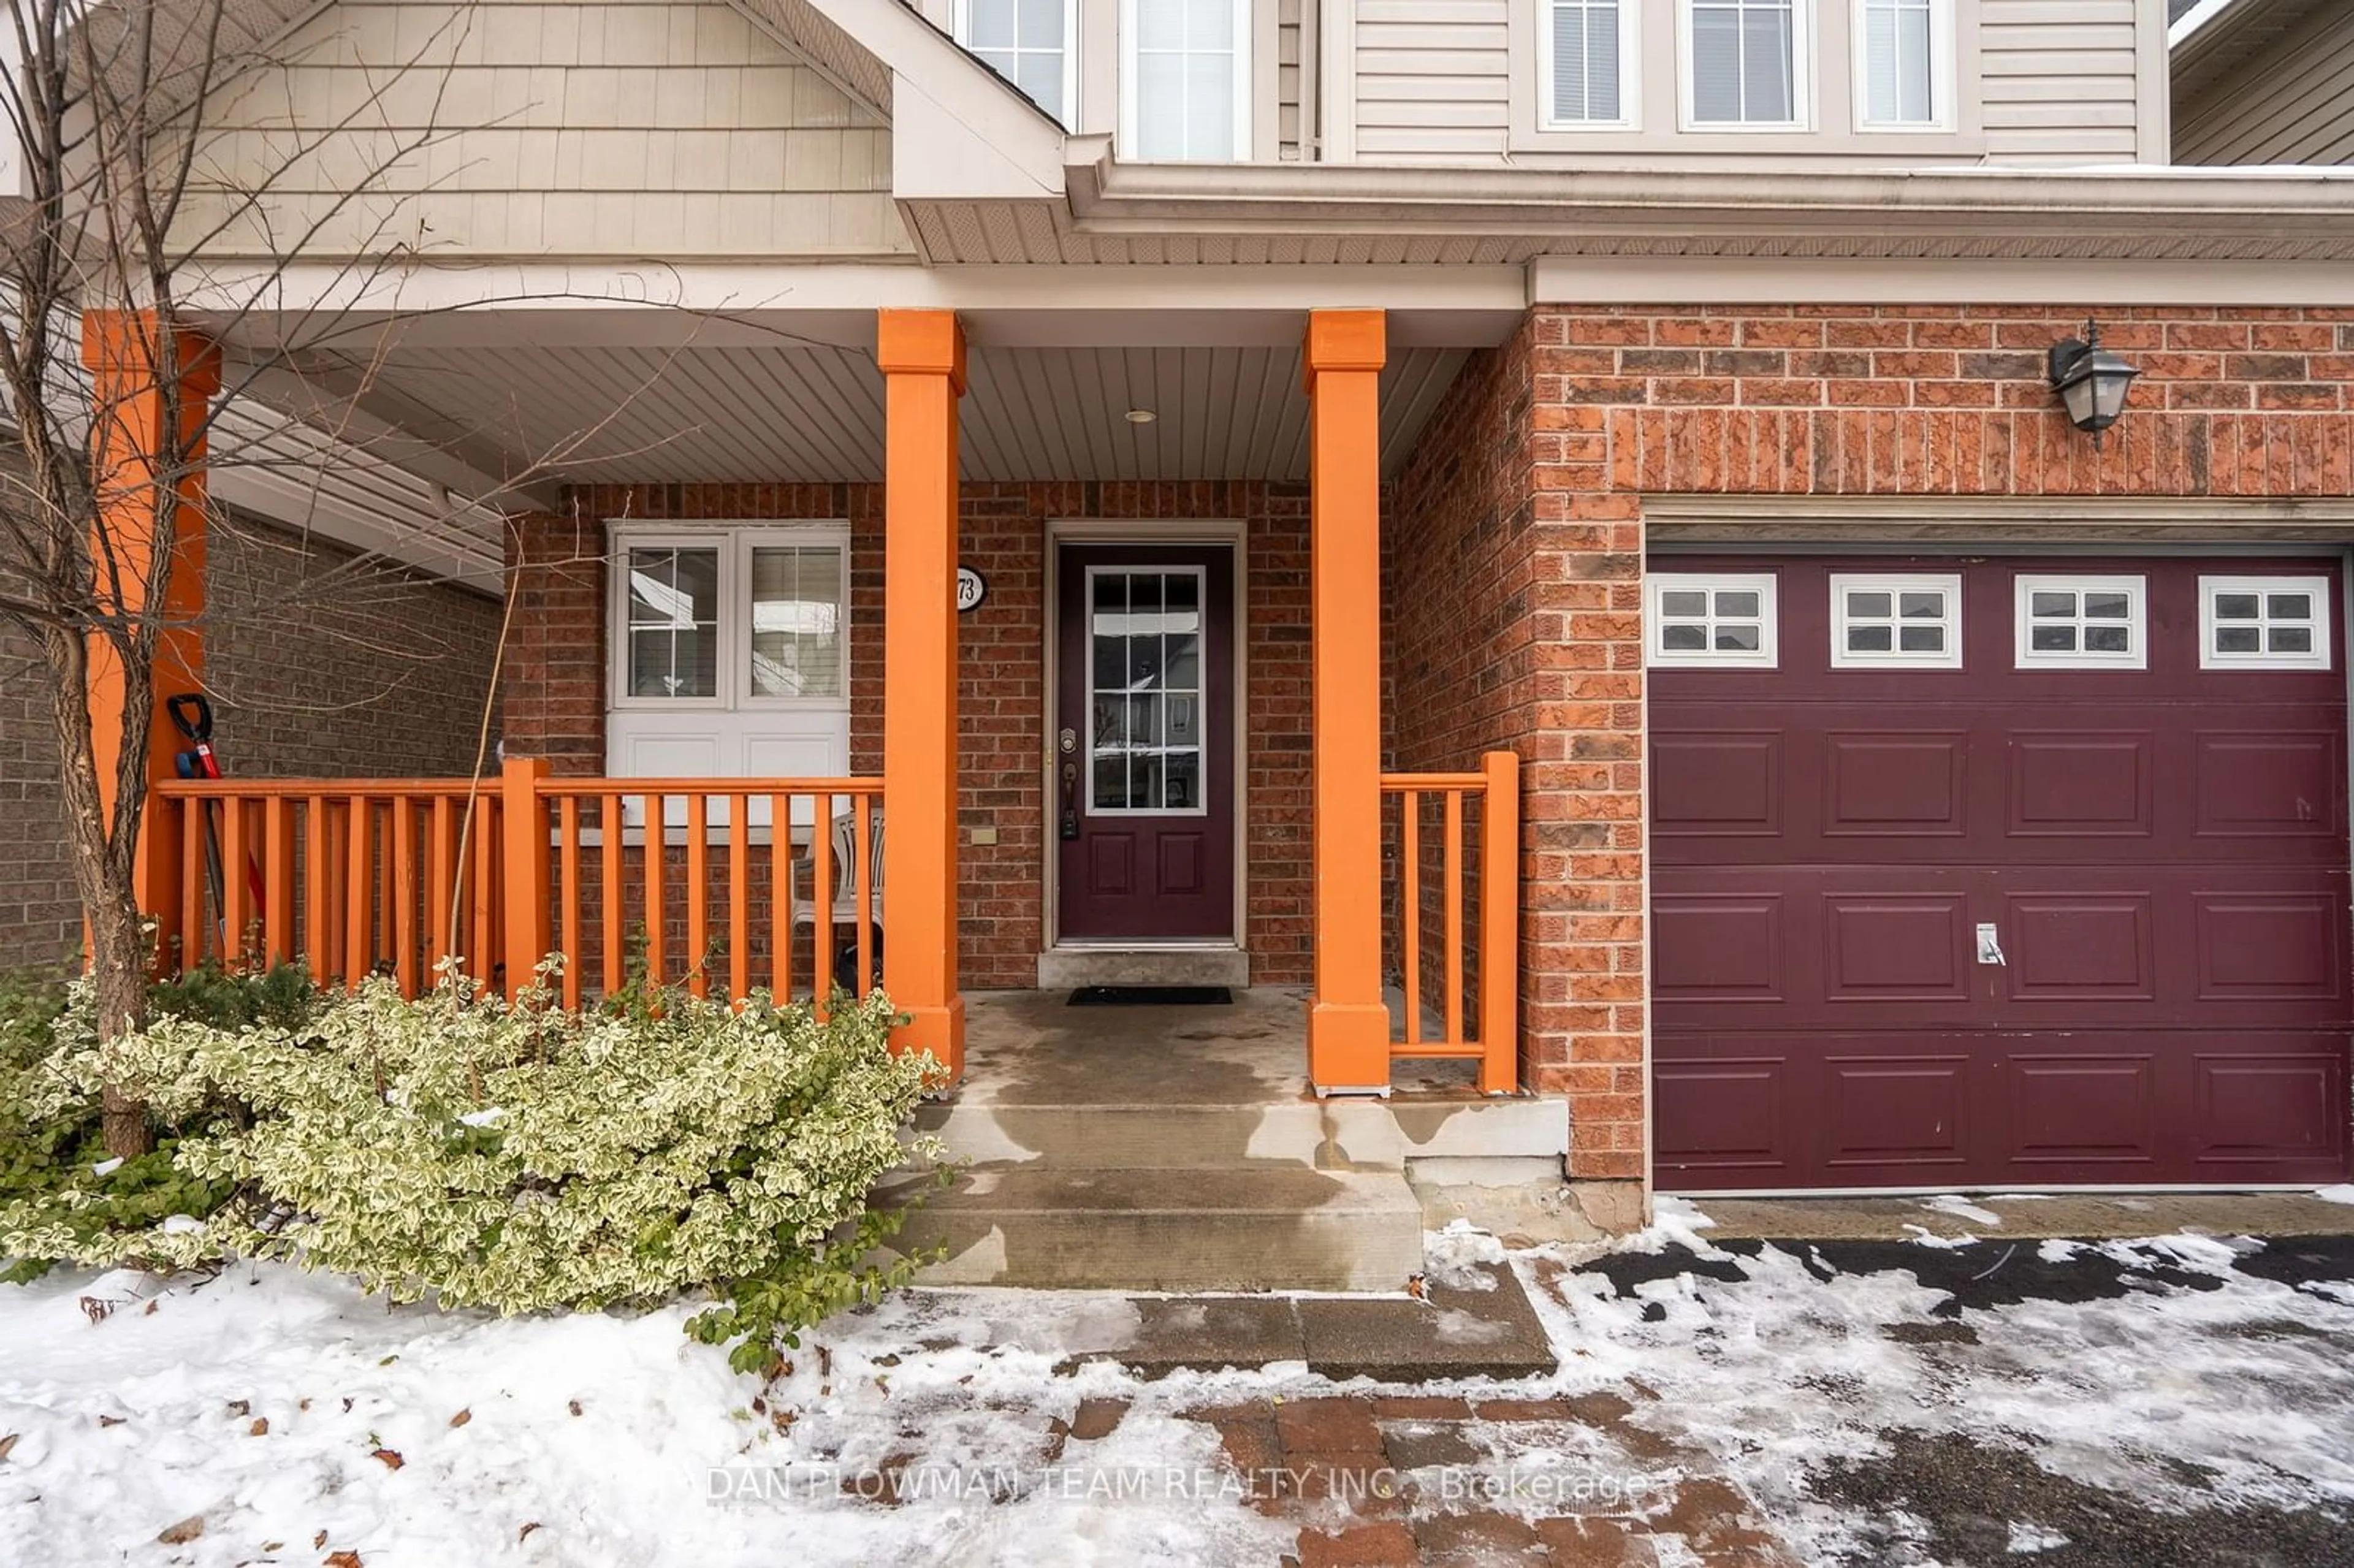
{"points": [[237, 892], [441, 923], [1348, 1024], [406, 895], [359, 877], [278, 878], [609, 851], [739, 897], [1500, 924], [1451, 889], [822, 875], [147, 535], [572, 904], [698, 894], [522, 817], [192, 883], [780, 913], [1410, 914], [862, 906], [922, 357], [316, 889], [657, 813]]}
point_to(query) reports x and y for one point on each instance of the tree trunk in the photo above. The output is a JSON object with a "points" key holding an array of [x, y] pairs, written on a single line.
{"points": [[118, 967], [104, 860]]}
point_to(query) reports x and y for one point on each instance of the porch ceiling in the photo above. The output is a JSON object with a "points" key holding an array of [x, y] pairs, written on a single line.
{"points": [[744, 415]]}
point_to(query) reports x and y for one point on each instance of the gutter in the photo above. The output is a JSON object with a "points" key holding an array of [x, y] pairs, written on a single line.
{"points": [[2061, 210]]}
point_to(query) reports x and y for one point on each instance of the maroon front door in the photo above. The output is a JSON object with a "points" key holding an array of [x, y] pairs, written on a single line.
{"points": [[2008, 873], [1143, 739]]}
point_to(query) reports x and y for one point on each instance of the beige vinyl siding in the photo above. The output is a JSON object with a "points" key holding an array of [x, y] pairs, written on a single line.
{"points": [[2059, 80], [2291, 103], [1431, 80], [1289, 59], [642, 128]]}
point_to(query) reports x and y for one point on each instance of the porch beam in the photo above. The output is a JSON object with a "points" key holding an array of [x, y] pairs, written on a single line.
{"points": [[923, 360], [1348, 1023], [148, 543]]}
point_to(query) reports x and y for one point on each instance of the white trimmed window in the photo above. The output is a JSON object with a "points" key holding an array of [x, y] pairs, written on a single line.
{"points": [[1185, 80], [1587, 65], [1710, 618], [730, 651], [2263, 624], [1903, 53], [1030, 43], [1912, 618], [1745, 65], [2083, 622]]}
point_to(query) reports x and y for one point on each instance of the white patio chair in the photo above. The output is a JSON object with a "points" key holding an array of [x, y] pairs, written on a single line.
{"points": [[842, 845]]}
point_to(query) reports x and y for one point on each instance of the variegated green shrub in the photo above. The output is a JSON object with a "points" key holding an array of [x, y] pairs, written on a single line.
{"points": [[520, 1158]]}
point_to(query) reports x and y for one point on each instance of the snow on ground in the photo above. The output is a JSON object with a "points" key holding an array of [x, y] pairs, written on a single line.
{"points": [[2196, 1385], [274, 1405], [620, 1440]]}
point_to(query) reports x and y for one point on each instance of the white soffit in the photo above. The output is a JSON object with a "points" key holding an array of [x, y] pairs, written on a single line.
{"points": [[302, 478], [815, 414]]}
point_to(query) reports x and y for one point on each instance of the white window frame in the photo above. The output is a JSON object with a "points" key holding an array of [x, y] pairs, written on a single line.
{"points": [[2136, 587], [735, 542], [1948, 583], [1630, 70], [1942, 91], [1200, 694], [2324, 604], [1246, 43], [1802, 78], [1766, 584], [1069, 118]]}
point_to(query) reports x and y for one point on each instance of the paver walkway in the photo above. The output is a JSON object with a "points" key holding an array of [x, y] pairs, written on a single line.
{"points": [[1388, 1478]]}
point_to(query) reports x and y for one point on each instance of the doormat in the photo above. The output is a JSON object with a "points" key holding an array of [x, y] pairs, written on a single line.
{"points": [[1153, 996]]}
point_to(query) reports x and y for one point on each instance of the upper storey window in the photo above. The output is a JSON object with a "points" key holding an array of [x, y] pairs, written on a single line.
{"points": [[1901, 63], [1185, 73], [1027, 42], [1745, 63], [1586, 64]]}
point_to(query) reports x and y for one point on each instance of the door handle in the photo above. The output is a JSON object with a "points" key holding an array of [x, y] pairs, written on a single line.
{"points": [[1068, 824], [1989, 945]]}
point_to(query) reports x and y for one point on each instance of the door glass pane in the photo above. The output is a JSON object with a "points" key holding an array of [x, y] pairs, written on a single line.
{"points": [[797, 595], [673, 627], [1145, 693]]}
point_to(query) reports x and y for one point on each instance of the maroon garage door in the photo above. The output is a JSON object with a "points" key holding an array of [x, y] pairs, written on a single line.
{"points": [[1997, 872]]}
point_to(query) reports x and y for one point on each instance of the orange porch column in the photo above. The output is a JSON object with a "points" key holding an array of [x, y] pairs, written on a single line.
{"points": [[1348, 1024], [140, 540], [922, 355]]}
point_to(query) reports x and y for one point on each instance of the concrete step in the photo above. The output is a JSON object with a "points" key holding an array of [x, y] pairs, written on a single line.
{"points": [[1337, 1134], [1274, 1228], [1138, 1137]]}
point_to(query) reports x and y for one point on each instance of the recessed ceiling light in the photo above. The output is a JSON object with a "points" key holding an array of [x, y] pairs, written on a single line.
{"points": [[1142, 415]]}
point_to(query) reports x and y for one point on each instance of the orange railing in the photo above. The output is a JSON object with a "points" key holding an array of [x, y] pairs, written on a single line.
{"points": [[1430, 945], [704, 882]]}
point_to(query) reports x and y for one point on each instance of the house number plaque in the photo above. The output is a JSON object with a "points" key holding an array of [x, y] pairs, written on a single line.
{"points": [[971, 588]]}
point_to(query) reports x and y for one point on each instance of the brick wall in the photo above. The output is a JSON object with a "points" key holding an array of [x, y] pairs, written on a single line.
{"points": [[1513, 548], [317, 668], [554, 690]]}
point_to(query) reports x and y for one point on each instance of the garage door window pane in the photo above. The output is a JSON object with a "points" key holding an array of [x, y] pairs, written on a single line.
{"points": [[1704, 618], [1913, 618], [2263, 624], [2081, 623]]}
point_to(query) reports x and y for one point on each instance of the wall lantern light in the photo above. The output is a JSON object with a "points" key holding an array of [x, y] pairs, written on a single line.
{"points": [[2091, 381]]}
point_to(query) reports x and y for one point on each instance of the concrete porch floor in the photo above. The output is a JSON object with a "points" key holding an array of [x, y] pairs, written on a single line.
{"points": [[1033, 1046], [1181, 1149]]}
